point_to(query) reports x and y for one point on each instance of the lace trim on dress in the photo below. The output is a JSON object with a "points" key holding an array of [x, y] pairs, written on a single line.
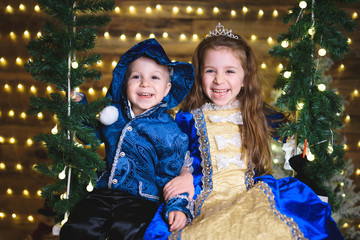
{"points": [[213, 106], [235, 118], [294, 227], [224, 161], [221, 141]]}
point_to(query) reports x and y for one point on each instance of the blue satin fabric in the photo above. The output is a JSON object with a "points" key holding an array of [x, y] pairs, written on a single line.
{"points": [[292, 198]]}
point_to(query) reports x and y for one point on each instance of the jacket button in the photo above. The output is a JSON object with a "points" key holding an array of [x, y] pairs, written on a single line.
{"points": [[122, 154], [114, 181], [129, 128]]}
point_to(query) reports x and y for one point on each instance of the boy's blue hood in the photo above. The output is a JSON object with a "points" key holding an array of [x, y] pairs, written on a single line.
{"points": [[181, 81]]}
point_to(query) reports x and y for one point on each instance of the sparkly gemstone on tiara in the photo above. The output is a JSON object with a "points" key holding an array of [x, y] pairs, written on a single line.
{"points": [[220, 30]]}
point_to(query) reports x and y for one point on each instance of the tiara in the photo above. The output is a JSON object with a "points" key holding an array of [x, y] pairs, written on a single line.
{"points": [[220, 30]]}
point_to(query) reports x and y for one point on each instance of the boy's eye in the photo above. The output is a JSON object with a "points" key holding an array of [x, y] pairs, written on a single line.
{"points": [[155, 77], [135, 76]]}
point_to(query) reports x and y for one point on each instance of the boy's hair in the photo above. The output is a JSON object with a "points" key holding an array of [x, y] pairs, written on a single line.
{"points": [[255, 131]]}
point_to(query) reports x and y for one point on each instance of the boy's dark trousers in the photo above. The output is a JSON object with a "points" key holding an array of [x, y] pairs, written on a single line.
{"points": [[109, 214]]}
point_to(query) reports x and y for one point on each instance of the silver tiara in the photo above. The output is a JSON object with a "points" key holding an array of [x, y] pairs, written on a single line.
{"points": [[220, 30]]}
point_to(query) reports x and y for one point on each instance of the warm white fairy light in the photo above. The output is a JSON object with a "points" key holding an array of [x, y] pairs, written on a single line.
{"points": [[18, 61], [74, 65], [26, 34], [276, 161], [300, 105], [39, 34], [12, 140], [40, 116], [285, 43], [33, 89], [29, 142], [77, 89], [18, 166], [148, 10], [9, 191], [11, 113], [322, 52], [357, 172], [113, 63], [30, 218], [104, 89], [106, 34], [12, 35], [342, 66], [25, 192], [345, 225], [310, 156], [9, 9], [175, 10], [165, 35], [62, 174], [117, 9], [269, 40], [263, 65], [312, 31], [195, 36], [39, 192], [90, 187], [152, 35], [321, 87], [13, 215], [233, 13], [280, 66], [354, 15], [216, 10], [356, 93], [182, 36], [349, 40], [261, 13], [22, 7], [123, 37], [138, 36], [48, 89], [253, 37], [132, 9], [2, 139], [199, 11], [275, 13], [158, 7], [91, 91], [245, 9], [346, 147], [2, 166], [37, 8], [23, 115], [287, 74], [189, 9], [2, 59], [2, 214], [302, 4]]}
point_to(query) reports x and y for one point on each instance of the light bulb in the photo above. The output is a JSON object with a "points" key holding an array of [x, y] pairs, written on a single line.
{"points": [[89, 187], [322, 87], [62, 175], [310, 156], [74, 65], [322, 52], [287, 74], [302, 4], [285, 43], [312, 31]]}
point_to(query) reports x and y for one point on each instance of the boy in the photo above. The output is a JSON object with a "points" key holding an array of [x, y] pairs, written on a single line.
{"points": [[144, 149]]}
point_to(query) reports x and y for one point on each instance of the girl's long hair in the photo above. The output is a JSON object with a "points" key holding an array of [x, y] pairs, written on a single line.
{"points": [[255, 131]]}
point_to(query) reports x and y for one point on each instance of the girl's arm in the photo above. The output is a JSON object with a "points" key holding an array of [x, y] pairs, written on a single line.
{"points": [[180, 184]]}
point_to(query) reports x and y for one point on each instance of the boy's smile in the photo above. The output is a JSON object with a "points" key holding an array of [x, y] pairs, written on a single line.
{"points": [[147, 84]]}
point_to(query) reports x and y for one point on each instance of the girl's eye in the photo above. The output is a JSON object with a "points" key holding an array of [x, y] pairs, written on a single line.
{"points": [[209, 71], [155, 77], [230, 71], [135, 76]]}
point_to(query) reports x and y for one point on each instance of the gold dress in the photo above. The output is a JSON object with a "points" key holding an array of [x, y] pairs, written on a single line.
{"points": [[230, 211]]}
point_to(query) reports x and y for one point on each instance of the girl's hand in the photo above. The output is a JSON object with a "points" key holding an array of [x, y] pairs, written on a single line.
{"points": [[180, 184], [177, 220]]}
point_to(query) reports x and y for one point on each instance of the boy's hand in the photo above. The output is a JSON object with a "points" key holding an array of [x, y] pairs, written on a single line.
{"points": [[177, 220], [180, 184]]}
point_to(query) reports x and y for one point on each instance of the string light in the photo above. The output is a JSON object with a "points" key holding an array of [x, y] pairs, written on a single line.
{"points": [[165, 35], [358, 144], [9, 191], [310, 156], [322, 52], [2, 139], [346, 147], [275, 13], [312, 31], [13, 215], [9, 9], [182, 36], [345, 225], [117, 9], [74, 65], [233, 13], [175, 10], [195, 36], [114, 63], [280, 66], [37, 8], [216, 10], [199, 11], [189, 9], [2, 214], [90, 187], [54, 130], [358, 171], [253, 37], [11, 113], [12, 35], [26, 34], [48, 89], [263, 65], [302, 4], [29, 142], [138, 36], [148, 10], [261, 13], [62, 174], [276, 161], [18, 61], [269, 40], [354, 15], [104, 89], [349, 41], [158, 7], [19, 166], [152, 35], [2, 166], [287, 74], [39, 192], [91, 91], [2, 60], [347, 118], [285, 43], [23, 115], [106, 34], [300, 105], [39, 34], [356, 93], [132, 9], [245, 9], [25, 192], [322, 87], [342, 66], [123, 37], [33, 89], [30, 218], [22, 7], [40, 115]]}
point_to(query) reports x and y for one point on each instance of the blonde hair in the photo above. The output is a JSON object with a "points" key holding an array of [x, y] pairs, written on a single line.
{"points": [[255, 131]]}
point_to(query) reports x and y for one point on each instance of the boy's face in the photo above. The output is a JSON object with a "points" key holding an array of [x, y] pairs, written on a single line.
{"points": [[147, 84]]}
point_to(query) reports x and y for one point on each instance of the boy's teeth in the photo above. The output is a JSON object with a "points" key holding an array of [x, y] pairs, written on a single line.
{"points": [[145, 94]]}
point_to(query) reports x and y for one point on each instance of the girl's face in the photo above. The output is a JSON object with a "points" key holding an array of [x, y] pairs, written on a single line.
{"points": [[222, 76]]}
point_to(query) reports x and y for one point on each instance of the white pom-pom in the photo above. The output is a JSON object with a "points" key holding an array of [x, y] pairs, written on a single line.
{"points": [[56, 229], [109, 115]]}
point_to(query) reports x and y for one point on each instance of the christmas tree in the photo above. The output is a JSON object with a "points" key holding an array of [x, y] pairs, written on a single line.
{"points": [[318, 29], [62, 58]]}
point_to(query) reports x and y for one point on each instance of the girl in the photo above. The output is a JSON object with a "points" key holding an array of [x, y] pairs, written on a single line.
{"points": [[225, 118]]}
